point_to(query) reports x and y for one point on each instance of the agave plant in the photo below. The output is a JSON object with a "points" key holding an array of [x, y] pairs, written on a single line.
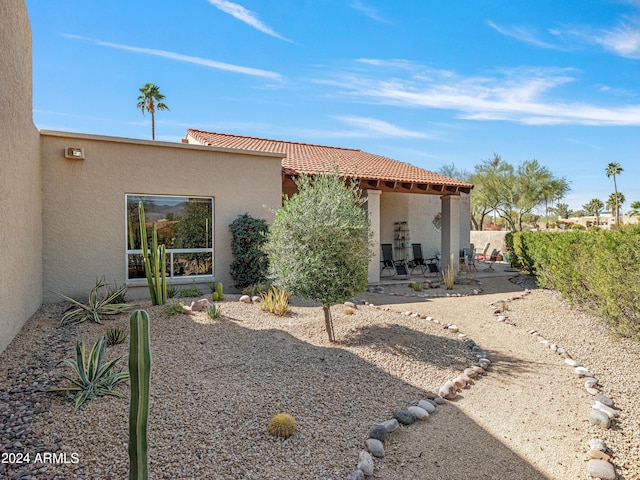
{"points": [[96, 307], [93, 378], [115, 336]]}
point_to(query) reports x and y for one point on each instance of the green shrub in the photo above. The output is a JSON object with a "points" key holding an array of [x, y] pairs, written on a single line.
{"points": [[96, 306], [599, 270], [173, 309], [275, 301], [172, 291], [250, 262], [190, 291], [117, 293], [93, 378], [416, 286]]}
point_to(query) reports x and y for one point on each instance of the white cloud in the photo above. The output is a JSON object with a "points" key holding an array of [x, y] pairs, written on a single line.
{"points": [[519, 95], [523, 34], [623, 40], [247, 16], [375, 127], [368, 10], [205, 62]]}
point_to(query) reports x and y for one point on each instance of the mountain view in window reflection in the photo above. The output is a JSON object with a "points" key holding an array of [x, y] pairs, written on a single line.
{"points": [[184, 226]]}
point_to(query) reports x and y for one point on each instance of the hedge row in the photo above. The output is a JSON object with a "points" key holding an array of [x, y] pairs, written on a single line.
{"points": [[598, 270]]}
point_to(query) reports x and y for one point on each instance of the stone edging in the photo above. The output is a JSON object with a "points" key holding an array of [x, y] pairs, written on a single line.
{"points": [[602, 413], [379, 433]]}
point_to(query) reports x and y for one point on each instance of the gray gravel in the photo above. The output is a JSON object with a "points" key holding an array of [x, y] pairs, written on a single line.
{"points": [[216, 383]]}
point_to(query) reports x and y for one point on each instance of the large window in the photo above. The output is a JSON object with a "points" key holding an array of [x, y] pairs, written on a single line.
{"points": [[185, 227]]}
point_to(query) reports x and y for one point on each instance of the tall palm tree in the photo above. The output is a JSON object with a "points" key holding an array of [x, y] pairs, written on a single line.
{"points": [[614, 202], [151, 100], [594, 206], [612, 170]]}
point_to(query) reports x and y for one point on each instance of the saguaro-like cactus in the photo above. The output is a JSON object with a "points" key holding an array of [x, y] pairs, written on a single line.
{"points": [[154, 262], [139, 374]]}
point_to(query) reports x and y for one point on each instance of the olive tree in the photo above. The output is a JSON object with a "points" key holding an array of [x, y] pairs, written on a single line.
{"points": [[319, 245]]}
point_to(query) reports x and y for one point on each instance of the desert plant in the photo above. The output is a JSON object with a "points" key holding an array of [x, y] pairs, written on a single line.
{"points": [[449, 274], [218, 295], [93, 378], [348, 311], [115, 336], [96, 306], [416, 286], [154, 262], [173, 309], [275, 301], [117, 292], [250, 262], [190, 291], [214, 311], [282, 425], [172, 291], [140, 373], [256, 289]]}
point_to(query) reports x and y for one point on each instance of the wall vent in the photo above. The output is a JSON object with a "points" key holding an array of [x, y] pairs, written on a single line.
{"points": [[76, 153]]}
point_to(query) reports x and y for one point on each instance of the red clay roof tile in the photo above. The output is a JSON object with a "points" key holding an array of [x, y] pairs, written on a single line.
{"points": [[312, 159]]}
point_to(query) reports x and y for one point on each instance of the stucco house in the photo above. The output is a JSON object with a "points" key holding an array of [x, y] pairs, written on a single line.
{"points": [[69, 200]]}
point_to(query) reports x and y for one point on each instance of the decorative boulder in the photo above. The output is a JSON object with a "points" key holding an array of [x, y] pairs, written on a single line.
{"points": [[356, 475], [256, 299], [391, 425], [420, 413], [598, 417], [200, 305], [375, 447], [245, 299], [404, 417], [379, 432], [365, 463], [427, 405], [601, 469], [448, 391]]}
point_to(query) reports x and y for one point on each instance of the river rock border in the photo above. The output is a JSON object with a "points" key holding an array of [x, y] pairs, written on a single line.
{"points": [[419, 410], [602, 412]]}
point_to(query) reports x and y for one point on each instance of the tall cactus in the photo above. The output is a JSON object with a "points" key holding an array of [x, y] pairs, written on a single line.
{"points": [[154, 262], [139, 373]]}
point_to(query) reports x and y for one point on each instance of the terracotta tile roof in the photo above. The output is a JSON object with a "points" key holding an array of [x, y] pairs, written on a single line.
{"points": [[311, 159]]}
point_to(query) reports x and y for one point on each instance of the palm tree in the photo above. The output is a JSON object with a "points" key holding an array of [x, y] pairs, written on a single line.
{"points": [[635, 209], [150, 100], [614, 202], [594, 206], [612, 170]]}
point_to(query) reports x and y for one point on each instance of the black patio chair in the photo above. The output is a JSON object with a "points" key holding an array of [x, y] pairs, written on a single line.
{"points": [[397, 267], [421, 263], [492, 259]]}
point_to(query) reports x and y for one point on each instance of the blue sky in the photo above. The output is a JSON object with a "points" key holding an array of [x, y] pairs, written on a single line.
{"points": [[426, 82]]}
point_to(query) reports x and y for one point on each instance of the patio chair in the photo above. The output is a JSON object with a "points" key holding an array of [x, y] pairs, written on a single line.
{"points": [[397, 267], [483, 255], [492, 258], [419, 262], [469, 258]]}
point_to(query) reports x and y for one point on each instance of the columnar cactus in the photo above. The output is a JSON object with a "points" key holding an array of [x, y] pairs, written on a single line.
{"points": [[154, 262], [139, 373]]}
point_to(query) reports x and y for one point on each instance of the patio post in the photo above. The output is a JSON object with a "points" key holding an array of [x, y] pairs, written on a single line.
{"points": [[373, 213], [450, 232]]}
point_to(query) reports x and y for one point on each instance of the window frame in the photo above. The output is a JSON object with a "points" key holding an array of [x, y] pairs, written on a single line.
{"points": [[171, 277]]}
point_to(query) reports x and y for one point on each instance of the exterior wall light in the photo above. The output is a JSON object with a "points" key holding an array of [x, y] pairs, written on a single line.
{"points": [[75, 153]]}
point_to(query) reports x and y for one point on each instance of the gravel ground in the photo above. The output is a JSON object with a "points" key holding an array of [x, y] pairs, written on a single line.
{"points": [[216, 383]]}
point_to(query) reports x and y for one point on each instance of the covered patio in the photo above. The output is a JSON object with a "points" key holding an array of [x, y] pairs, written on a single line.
{"points": [[405, 204]]}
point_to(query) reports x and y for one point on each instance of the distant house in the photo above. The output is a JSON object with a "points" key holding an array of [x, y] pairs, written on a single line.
{"points": [[427, 204], [69, 200]]}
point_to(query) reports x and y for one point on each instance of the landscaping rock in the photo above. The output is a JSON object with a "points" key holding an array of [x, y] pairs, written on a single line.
{"points": [[470, 372], [375, 447], [379, 432], [603, 408], [245, 299], [598, 455], [365, 462], [391, 425], [601, 469], [356, 475], [598, 417], [200, 305], [256, 299], [427, 406], [420, 413], [590, 382], [350, 304], [603, 399], [582, 372], [597, 444], [592, 391], [439, 400], [459, 383], [448, 390], [572, 362], [405, 417]]}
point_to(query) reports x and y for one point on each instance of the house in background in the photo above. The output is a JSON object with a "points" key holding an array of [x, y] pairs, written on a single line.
{"points": [[69, 200], [402, 200]]}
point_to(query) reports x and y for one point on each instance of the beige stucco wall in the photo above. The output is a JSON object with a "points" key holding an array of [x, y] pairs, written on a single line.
{"points": [[20, 215], [418, 211], [84, 201]]}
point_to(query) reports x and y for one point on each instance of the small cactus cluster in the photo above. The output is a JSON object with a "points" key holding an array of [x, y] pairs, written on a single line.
{"points": [[217, 295], [282, 425], [348, 311], [116, 336]]}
